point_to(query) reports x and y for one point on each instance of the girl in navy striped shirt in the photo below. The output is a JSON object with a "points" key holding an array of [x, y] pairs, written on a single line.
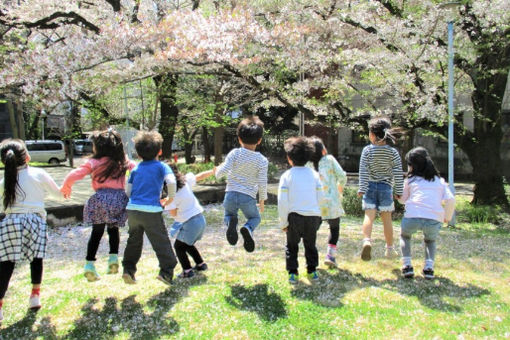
{"points": [[380, 175]]}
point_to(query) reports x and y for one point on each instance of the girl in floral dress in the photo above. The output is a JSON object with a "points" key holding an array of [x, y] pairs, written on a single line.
{"points": [[333, 179]]}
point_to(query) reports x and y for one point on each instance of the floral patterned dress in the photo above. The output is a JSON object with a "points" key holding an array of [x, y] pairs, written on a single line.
{"points": [[332, 175]]}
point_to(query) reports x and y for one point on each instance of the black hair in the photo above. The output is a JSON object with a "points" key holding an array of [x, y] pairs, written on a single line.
{"points": [[148, 144], [13, 153], [421, 163], [299, 150], [108, 143], [179, 177], [382, 130], [317, 155], [250, 130]]}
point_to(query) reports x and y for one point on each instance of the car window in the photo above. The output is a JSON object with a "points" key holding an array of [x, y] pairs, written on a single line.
{"points": [[53, 146]]}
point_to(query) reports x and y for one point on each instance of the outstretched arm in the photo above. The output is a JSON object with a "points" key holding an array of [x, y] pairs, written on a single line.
{"points": [[203, 175]]}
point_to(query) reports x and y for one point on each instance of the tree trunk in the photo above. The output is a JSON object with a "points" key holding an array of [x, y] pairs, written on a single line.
{"points": [[169, 111], [20, 119], [76, 130], [12, 119], [219, 132], [207, 145]]}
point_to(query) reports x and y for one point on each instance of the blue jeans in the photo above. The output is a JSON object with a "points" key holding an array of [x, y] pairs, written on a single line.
{"points": [[430, 229], [378, 196], [234, 201]]}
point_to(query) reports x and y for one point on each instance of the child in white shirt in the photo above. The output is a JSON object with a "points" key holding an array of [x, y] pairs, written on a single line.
{"points": [[189, 223], [424, 192], [299, 200]]}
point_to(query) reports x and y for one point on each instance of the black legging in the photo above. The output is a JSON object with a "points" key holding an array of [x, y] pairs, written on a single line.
{"points": [[7, 267], [181, 249], [95, 239], [334, 230]]}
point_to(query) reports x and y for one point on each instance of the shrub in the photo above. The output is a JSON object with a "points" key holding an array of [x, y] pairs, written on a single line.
{"points": [[469, 213]]}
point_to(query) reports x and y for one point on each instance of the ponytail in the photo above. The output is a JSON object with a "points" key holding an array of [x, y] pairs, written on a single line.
{"points": [[13, 154], [381, 128]]}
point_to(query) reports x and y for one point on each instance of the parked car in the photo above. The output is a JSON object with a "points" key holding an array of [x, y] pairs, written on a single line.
{"points": [[82, 146], [46, 151]]}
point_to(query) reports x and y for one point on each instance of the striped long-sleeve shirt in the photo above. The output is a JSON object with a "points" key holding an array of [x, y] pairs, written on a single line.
{"points": [[246, 172], [380, 163]]}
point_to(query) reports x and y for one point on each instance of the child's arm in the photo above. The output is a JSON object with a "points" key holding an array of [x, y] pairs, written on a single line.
{"points": [[75, 175], [50, 186], [341, 175], [203, 175], [171, 184], [406, 193], [449, 200], [398, 174], [283, 202], [262, 183], [320, 195], [224, 168], [363, 172]]}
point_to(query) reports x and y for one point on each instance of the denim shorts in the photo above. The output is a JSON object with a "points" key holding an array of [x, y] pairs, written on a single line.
{"points": [[378, 196], [429, 227]]}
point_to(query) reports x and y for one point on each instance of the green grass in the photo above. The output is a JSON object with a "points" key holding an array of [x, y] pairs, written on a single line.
{"points": [[246, 296]]}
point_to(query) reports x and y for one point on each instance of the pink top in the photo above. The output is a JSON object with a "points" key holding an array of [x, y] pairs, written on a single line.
{"points": [[89, 168], [423, 199]]}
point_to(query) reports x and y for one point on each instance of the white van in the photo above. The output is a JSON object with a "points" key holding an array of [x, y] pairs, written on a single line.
{"points": [[46, 151]]}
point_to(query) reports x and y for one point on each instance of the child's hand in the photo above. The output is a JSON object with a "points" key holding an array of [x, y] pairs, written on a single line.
{"points": [[398, 197], [165, 201], [66, 191], [360, 194], [261, 206], [214, 171], [285, 229]]}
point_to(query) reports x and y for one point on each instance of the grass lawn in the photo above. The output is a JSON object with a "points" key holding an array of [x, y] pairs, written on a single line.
{"points": [[247, 296]]}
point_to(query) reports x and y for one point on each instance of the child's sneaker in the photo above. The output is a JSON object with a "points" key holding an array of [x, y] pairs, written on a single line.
{"points": [[313, 276], [408, 272], [165, 278], [201, 267], [293, 278], [129, 278], [186, 274], [366, 250], [249, 243], [34, 302], [428, 273], [113, 264], [390, 253], [90, 271], [330, 261], [232, 231]]}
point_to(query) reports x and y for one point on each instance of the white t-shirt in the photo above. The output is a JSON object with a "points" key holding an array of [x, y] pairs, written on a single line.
{"points": [[423, 199], [185, 201], [34, 185]]}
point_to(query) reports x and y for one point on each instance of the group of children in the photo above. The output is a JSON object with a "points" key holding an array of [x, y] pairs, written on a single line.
{"points": [[310, 191]]}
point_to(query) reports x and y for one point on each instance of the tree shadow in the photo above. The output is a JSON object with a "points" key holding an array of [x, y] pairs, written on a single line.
{"points": [[439, 294], [130, 316], [23, 329], [268, 305]]}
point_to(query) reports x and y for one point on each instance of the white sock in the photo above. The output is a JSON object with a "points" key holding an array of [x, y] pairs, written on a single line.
{"points": [[429, 264], [331, 250], [406, 261]]}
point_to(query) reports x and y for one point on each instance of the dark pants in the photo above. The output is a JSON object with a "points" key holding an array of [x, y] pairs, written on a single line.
{"points": [[182, 249], [302, 227], [95, 239], [334, 231], [7, 268], [153, 225]]}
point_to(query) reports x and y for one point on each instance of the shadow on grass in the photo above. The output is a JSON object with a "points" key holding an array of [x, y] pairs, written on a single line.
{"points": [[439, 294], [130, 317], [24, 328], [268, 305]]}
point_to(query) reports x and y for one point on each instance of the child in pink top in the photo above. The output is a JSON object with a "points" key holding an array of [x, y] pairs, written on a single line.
{"points": [[107, 207], [424, 193]]}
